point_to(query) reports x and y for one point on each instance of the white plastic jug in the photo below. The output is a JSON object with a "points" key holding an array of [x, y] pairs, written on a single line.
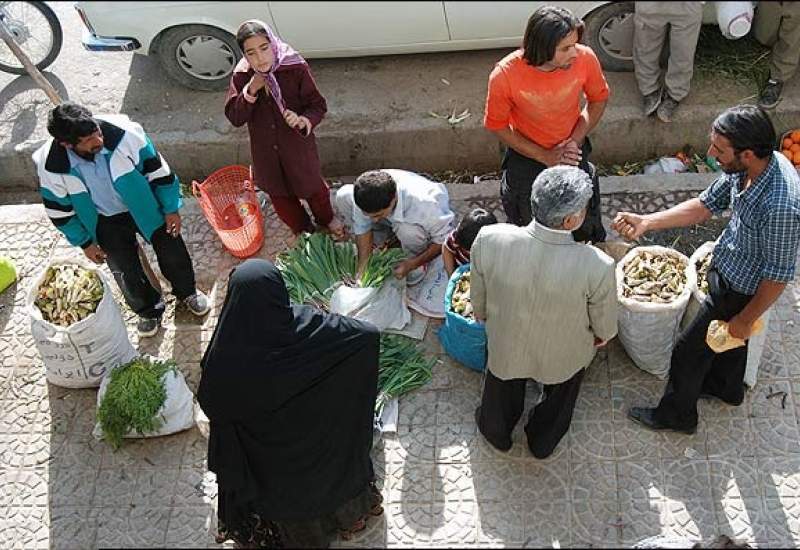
{"points": [[734, 18]]}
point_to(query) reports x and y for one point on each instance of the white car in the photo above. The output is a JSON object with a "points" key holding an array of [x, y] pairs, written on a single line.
{"points": [[195, 41]]}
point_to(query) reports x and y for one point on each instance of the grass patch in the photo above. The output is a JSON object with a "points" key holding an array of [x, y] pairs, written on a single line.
{"points": [[744, 60]]}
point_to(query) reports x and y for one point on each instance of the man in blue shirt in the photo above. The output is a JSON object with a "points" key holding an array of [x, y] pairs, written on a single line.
{"points": [[752, 261], [102, 182]]}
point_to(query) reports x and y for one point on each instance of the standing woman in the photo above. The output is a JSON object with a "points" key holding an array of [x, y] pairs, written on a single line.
{"points": [[273, 92], [290, 396]]}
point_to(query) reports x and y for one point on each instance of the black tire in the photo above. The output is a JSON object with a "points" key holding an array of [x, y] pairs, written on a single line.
{"points": [[55, 49], [167, 49], [595, 22]]}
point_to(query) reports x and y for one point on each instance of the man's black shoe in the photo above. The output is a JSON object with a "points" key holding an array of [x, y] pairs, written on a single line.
{"points": [[721, 400], [771, 95], [647, 418]]}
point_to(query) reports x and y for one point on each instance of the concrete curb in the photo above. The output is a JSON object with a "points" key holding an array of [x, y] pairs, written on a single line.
{"points": [[487, 189]]}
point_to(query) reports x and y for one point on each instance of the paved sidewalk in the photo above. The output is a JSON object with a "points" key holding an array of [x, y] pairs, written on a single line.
{"points": [[610, 483]]}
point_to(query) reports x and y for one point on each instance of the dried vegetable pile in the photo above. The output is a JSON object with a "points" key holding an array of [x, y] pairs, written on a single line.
{"points": [[702, 266], [311, 270], [461, 303], [68, 294], [654, 278], [135, 394]]}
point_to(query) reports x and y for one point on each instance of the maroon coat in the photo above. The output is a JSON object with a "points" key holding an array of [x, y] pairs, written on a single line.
{"points": [[285, 163]]}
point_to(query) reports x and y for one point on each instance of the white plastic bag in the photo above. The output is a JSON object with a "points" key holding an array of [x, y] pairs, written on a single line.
{"points": [[384, 307], [648, 330], [734, 18], [78, 356], [427, 297], [755, 346], [666, 165], [177, 412]]}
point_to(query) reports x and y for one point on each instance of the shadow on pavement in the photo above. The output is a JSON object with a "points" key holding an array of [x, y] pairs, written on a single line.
{"points": [[21, 110]]}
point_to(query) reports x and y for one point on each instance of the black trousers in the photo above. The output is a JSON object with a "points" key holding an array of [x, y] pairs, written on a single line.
{"points": [[503, 402], [519, 172], [116, 235], [695, 369]]}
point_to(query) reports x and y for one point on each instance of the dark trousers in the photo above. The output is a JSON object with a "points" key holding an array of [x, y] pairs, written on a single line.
{"points": [[503, 402], [695, 369], [116, 235], [291, 211], [519, 172]]}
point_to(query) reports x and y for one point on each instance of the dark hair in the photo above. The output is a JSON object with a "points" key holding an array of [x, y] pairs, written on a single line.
{"points": [[70, 122], [747, 127], [546, 28], [249, 30], [374, 190], [470, 224]]}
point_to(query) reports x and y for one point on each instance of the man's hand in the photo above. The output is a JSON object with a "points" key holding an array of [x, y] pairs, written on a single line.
{"points": [[255, 84], [338, 230], [598, 343], [293, 119], [173, 223], [566, 152], [403, 268], [304, 125], [630, 226], [95, 253], [740, 328]]}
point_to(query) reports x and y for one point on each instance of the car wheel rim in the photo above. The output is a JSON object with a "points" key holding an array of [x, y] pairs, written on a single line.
{"points": [[616, 37], [205, 57]]}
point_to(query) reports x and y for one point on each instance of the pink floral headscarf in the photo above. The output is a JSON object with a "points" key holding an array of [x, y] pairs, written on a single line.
{"points": [[284, 56]]}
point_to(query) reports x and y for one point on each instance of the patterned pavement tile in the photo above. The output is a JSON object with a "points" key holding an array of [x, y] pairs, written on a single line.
{"points": [[634, 442], [504, 522], [409, 482], [9, 349], [410, 523], [456, 406], [24, 528], [598, 372], [742, 518], [690, 519], [412, 444], [72, 487], [24, 487], [195, 487], [455, 522], [155, 486], [72, 527], [594, 481], [640, 481], [686, 479], [622, 369], [591, 440], [163, 451], [459, 443], [775, 436], [783, 519], [191, 526], [733, 478], [780, 477], [729, 437], [767, 400], [593, 404], [418, 409], [547, 524], [140, 526], [595, 522], [640, 519], [115, 488]]}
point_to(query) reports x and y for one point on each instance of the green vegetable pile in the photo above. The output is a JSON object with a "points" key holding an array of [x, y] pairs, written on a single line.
{"points": [[134, 395], [402, 367], [316, 263], [313, 267], [68, 294]]}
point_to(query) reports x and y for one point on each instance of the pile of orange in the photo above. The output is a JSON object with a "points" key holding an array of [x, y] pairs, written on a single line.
{"points": [[790, 146]]}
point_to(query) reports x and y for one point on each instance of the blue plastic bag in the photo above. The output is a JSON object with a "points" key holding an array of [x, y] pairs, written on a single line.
{"points": [[463, 339]]}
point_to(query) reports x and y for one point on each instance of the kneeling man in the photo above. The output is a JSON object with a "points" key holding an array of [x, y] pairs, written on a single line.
{"points": [[548, 303]]}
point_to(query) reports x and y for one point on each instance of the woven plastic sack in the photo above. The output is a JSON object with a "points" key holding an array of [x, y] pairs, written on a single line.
{"points": [[177, 412], [755, 345], [384, 307], [648, 330], [462, 339], [78, 356]]}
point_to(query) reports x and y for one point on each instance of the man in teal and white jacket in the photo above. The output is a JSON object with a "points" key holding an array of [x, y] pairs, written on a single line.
{"points": [[102, 182]]}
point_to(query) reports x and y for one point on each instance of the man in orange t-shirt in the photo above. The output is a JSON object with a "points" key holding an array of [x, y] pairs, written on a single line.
{"points": [[533, 106]]}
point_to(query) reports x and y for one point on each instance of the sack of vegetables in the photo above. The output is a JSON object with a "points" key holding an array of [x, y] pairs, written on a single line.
{"points": [[143, 398], [653, 290], [700, 262], [461, 336], [77, 325]]}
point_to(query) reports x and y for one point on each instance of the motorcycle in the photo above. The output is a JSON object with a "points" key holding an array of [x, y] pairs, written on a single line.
{"points": [[36, 29]]}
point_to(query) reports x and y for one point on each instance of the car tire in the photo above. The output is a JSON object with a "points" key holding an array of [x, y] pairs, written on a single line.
{"points": [[172, 49], [606, 32]]}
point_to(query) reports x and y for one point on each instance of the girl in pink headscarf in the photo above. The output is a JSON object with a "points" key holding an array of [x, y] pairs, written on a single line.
{"points": [[273, 92]]}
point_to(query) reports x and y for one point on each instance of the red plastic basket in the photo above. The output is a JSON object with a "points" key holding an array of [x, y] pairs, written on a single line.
{"points": [[229, 203]]}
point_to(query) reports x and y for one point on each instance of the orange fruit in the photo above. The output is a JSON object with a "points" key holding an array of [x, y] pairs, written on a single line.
{"points": [[787, 142], [795, 147], [795, 135], [788, 154]]}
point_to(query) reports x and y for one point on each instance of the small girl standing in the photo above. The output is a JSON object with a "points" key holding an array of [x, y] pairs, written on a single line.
{"points": [[456, 249], [273, 92]]}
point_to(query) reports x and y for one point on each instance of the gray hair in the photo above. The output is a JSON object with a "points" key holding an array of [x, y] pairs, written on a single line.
{"points": [[559, 192]]}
